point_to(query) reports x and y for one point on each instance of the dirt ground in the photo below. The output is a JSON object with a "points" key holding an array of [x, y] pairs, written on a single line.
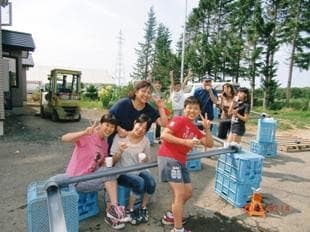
{"points": [[31, 150]]}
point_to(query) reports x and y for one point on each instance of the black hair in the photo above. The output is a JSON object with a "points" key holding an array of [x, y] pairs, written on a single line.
{"points": [[109, 118], [139, 85], [192, 101], [246, 91], [231, 89], [144, 118]]}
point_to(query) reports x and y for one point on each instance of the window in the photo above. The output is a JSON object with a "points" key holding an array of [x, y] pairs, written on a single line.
{"points": [[13, 79]]}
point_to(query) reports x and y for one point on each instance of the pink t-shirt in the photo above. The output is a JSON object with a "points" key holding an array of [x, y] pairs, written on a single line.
{"points": [[183, 128], [89, 152]]}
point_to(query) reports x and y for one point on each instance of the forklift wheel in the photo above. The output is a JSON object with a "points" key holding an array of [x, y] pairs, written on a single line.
{"points": [[54, 116], [43, 115], [79, 118]]}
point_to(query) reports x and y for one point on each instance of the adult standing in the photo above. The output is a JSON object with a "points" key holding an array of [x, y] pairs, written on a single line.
{"points": [[206, 99], [127, 110], [224, 102]]}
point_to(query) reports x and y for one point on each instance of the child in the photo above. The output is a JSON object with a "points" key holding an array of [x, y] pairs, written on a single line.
{"points": [[240, 110], [126, 152], [90, 151], [179, 137], [177, 95]]}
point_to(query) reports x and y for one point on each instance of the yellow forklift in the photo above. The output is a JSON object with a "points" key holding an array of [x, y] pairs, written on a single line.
{"points": [[61, 98]]}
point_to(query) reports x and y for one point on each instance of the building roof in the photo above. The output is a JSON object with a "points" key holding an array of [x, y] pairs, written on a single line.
{"points": [[17, 40]]}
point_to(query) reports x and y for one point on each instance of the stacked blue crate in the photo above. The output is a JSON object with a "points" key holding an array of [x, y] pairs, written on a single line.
{"points": [[88, 204], [265, 143], [236, 176], [38, 220]]}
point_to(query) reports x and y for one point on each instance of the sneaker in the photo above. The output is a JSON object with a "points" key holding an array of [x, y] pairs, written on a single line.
{"points": [[144, 214], [126, 217], [114, 223], [118, 213], [169, 220], [135, 217], [184, 230]]}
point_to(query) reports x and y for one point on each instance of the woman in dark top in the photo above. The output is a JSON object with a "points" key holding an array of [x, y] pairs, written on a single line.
{"points": [[224, 102], [240, 110], [128, 109]]}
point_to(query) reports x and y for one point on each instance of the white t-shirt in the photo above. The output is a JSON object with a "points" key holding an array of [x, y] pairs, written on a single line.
{"points": [[130, 155], [177, 100]]}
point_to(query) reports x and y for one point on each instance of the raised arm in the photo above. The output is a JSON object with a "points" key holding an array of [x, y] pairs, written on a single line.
{"points": [[186, 79], [171, 80], [212, 96], [72, 137]]}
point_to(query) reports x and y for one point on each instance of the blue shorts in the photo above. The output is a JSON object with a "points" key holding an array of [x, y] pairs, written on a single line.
{"points": [[171, 170]]}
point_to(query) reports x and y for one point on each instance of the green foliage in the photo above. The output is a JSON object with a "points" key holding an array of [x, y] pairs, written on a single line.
{"points": [[108, 95], [163, 56], [91, 93]]}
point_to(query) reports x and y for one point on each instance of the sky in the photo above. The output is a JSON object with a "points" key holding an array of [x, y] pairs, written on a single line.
{"points": [[82, 34]]}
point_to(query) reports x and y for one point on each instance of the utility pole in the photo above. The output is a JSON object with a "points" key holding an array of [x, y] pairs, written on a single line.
{"points": [[119, 71], [183, 43]]}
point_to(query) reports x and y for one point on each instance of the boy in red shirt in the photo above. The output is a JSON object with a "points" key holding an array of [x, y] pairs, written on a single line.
{"points": [[179, 137]]}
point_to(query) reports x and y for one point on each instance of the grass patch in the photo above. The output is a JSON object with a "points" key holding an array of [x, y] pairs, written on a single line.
{"points": [[89, 104], [289, 118]]}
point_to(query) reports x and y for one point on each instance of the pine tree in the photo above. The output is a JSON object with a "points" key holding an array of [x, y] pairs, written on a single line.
{"points": [[296, 34], [145, 52], [163, 60]]}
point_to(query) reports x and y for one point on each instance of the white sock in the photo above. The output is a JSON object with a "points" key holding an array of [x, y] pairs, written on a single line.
{"points": [[178, 230]]}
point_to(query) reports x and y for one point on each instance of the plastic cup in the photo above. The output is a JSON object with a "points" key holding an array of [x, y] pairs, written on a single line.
{"points": [[141, 157], [109, 162]]}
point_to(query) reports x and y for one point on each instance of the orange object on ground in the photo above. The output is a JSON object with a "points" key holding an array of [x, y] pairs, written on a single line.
{"points": [[255, 207]]}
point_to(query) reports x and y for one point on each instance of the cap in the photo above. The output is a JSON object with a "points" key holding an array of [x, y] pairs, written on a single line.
{"points": [[207, 78]]}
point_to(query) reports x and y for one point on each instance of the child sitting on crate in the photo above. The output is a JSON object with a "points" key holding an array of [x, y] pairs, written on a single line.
{"points": [[90, 151], [130, 150], [179, 137]]}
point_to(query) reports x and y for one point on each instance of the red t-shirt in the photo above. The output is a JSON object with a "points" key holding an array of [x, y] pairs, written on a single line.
{"points": [[183, 128]]}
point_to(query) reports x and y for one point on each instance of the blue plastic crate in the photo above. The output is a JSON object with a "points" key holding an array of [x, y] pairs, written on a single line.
{"points": [[37, 211], [265, 149], [215, 129], [193, 165], [150, 135], [236, 193], [243, 166], [88, 204], [123, 194], [266, 130]]}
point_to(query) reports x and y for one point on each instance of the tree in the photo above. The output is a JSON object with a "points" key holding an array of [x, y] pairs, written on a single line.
{"points": [[163, 59], [296, 33], [145, 52]]}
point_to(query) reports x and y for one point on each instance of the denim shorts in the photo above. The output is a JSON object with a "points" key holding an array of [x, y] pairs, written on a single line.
{"points": [[93, 185], [140, 183], [171, 170]]}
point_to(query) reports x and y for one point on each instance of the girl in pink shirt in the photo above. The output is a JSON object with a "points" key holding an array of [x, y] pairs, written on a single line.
{"points": [[90, 151]]}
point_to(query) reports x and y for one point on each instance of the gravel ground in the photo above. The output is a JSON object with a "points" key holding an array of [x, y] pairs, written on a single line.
{"points": [[31, 150]]}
